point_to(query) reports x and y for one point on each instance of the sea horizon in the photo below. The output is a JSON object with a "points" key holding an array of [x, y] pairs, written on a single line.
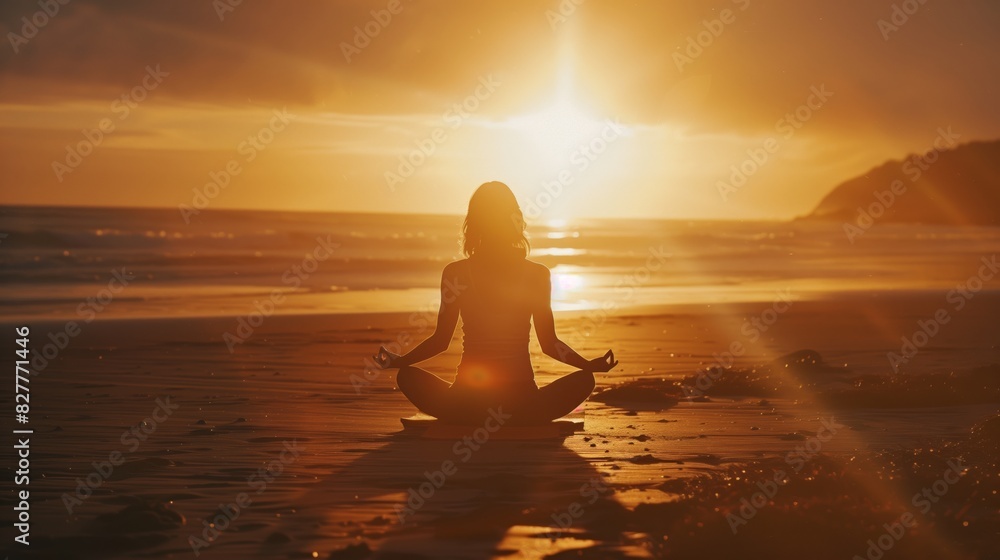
{"points": [[388, 212], [231, 262]]}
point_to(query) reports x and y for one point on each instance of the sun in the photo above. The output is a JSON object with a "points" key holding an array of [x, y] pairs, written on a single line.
{"points": [[563, 122], [557, 129]]}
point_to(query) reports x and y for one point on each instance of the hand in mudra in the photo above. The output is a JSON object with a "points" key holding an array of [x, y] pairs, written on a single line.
{"points": [[386, 359], [604, 363]]}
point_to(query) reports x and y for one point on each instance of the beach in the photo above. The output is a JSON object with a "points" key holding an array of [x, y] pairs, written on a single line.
{"points": [[277, 450], [264, 295]]}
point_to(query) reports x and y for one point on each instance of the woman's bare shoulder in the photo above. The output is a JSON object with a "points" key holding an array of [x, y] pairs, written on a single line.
{"points": [[537, 270], [456, 267]]}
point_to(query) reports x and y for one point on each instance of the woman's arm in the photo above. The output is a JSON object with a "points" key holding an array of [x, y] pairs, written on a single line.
{"points": [[437, 342], [552, 346]]}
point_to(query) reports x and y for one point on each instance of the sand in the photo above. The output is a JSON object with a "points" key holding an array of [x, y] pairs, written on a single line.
{"points": [[656, 472]]}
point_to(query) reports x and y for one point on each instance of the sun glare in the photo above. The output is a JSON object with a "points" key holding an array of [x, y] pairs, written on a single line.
{"points": [[568, 289], [564, 282], [565, 147], [557, 130]]}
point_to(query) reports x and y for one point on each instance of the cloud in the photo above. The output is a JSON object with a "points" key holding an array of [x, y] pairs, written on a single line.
{"points": [[621, 59], [940, 65]]}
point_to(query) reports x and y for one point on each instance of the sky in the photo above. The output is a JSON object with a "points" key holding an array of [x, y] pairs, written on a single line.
{"points": [[714, 109]]}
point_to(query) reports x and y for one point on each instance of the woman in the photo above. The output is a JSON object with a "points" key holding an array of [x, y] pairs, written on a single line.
{"points": [[497, 292]]}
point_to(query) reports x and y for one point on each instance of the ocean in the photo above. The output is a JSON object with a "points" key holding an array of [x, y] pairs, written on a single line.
{"points": [[63, 262]]}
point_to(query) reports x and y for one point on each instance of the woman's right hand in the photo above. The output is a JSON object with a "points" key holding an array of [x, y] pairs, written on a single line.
{"points": [[386, 359], [604, 363]]}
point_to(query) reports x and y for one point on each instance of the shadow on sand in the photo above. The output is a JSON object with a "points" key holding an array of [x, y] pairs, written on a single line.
{"points": [[458, 498]]}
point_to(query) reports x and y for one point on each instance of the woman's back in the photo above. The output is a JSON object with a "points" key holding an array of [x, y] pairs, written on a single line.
{"points": [[496, 299]]}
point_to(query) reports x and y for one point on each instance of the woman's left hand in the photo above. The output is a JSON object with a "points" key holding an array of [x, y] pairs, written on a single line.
{"points": [[386, 359]]}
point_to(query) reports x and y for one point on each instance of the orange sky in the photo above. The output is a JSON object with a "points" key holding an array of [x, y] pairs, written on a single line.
{"points": [[607, 103]]}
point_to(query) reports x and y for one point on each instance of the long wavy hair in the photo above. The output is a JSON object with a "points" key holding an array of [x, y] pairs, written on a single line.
{"points": [[495, 224]]}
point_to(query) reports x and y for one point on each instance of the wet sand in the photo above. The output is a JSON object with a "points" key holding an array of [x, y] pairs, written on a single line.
{"points": [[273, 452]]}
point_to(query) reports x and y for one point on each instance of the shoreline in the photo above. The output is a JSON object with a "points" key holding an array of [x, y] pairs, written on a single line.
{"points": [[637, 309]]}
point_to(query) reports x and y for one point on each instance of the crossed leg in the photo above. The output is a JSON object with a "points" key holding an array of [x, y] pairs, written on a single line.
{"points": [[562, 396], [434, 396], [427, 392]]}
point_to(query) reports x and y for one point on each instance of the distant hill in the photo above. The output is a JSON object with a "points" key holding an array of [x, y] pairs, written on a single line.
{"points": [[956, 186]]}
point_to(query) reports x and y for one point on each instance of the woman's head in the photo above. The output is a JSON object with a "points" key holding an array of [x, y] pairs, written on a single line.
{"points": [[494, 224]]}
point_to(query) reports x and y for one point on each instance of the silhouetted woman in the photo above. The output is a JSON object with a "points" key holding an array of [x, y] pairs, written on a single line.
{"points": [[497, 291]]}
